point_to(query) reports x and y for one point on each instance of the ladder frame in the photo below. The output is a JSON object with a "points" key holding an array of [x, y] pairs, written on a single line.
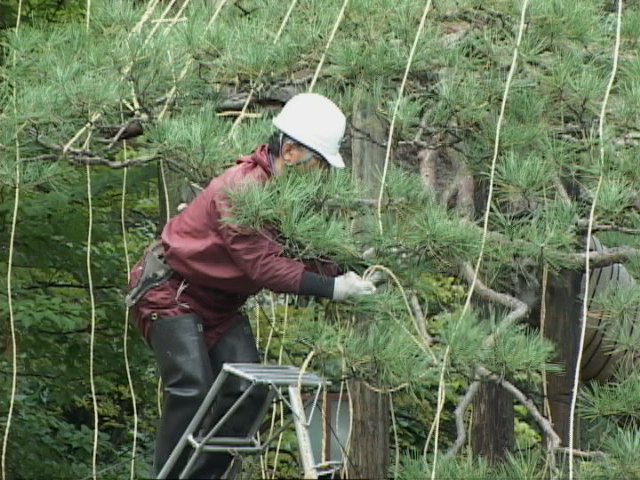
{"points": [[273, 377]]}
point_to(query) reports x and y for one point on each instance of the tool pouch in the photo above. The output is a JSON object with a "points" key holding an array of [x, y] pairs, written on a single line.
{"points": [[155, 272]]}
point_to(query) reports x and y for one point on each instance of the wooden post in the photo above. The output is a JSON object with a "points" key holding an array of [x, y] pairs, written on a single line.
{"points": [[369, 452], [492, 423], [562, 327]]}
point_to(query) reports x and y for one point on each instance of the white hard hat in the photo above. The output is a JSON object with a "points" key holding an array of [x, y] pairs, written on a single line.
{"points": [[316, 122]]}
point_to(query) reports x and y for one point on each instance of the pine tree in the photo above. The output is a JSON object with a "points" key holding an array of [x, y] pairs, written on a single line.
{"points": [[192, 92]]}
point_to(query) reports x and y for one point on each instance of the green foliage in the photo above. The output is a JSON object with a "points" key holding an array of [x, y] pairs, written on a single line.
{"points": [[621, 460], [296, 205], [55, 74], [51, 311], [38, 11], [616, 401]]}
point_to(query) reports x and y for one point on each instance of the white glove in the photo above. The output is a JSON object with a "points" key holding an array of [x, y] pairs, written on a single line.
{"points": [[351, 284]]}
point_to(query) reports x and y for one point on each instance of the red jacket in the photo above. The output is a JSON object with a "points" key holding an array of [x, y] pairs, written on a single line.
{"points": [[220, 264]]}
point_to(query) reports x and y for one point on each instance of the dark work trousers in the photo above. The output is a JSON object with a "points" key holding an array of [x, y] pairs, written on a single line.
{"points": [[187, 372]]}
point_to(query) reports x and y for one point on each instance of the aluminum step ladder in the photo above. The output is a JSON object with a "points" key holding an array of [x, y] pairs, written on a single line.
{"points": [[275, 377]]}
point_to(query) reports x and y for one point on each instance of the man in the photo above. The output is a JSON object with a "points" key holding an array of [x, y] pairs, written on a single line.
{"points": [[187, 290]]}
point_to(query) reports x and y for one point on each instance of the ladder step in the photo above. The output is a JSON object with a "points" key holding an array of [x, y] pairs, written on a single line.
{"points": [[281, 375], [225, 444], [230, 441], [328, 468]]}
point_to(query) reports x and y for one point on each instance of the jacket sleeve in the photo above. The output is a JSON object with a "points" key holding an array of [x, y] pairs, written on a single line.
{"points": [[258, 254], [322, 266]]}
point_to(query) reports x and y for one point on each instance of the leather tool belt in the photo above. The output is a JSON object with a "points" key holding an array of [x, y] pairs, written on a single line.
{"points": [[155, 272]]}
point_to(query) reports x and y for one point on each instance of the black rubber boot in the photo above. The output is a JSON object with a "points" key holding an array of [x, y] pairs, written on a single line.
{"points": [[182, 358], [237, 345]]}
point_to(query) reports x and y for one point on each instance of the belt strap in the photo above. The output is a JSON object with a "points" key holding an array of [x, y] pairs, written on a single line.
{"points": [[155, 272]]}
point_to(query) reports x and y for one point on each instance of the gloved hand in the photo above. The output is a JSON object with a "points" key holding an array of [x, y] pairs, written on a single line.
{"points": [[351, 284]]}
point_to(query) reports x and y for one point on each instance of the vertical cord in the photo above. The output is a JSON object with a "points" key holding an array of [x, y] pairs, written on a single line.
{"points": [[281, 403], [185, 69], [158, 23], [92, 340], [338, 407], [326, 48], [324, 409], [94, 397], [276, 39], [14, 221], [145, 16], [496, 149], [546, 410], [585, 302], [264, 458], [396, 440], [439, 408], [178, 13], [396, 108], [485, 230], [126, 318], [257, 338]]}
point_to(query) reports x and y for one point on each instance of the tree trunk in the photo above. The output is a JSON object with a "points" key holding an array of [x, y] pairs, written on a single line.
{"points": [[492, 424], [178, 190], [562, 327], [369, 446]]}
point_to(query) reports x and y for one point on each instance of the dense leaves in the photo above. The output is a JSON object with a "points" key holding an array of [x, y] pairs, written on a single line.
{"points": [[72, 91]]}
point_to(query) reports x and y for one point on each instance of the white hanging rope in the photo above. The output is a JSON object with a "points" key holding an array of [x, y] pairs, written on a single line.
{"points": [[127, 69], [94, 398], [145, 16], [326, 48], [88, 14], [276, 39], [396, 440], [178, 15], [12, 237], [188, 64], [439, 408], [156, 25], [396, 108], [496, 149], [585, 302], [125, 336], [92, 341], [281, 403], [10, 260], [485, 229]]}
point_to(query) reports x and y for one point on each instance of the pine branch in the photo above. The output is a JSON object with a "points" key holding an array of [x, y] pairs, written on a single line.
{"points": [[133, 128], [519, 309], [583, 225], [459, 416], [101, 161], [607, 257], [82, 160], [420, 318], [482, 374], [83, 157], [39, 375], [583, 454]]}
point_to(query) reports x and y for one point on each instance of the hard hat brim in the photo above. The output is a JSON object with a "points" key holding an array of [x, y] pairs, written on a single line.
{"points": [[335, 161]]}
